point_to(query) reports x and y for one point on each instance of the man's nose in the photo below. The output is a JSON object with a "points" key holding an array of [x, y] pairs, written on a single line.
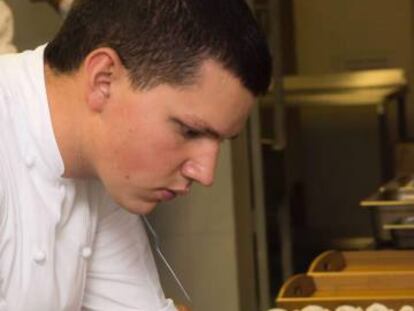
{"points": [[202, 164]]}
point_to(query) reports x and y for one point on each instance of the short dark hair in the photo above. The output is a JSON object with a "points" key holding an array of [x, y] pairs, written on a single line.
{"points": [[165, 41]]}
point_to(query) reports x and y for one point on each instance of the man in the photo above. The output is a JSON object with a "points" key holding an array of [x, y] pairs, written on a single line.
{"points": [[125, 107]]}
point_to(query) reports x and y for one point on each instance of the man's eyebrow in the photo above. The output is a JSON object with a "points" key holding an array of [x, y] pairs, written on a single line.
{"points": [[213, 133], [203, 127]]}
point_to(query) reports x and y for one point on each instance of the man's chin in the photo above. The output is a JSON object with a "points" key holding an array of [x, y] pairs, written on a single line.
{"points": [[134, 204], [140, 208]]}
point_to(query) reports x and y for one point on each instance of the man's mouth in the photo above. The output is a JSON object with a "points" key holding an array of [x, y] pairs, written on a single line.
{"points": [[167, 195], [170, 194]]}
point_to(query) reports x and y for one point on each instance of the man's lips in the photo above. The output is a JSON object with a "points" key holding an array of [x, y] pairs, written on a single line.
{"points": [[169, 194]]}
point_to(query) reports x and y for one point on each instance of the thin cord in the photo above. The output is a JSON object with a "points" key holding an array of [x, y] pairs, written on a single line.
{"points": [[156, 245]]}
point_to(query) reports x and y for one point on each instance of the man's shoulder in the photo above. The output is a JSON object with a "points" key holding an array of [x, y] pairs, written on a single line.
{"points": [[9, 71], [20, 67], [6, 156], [17, 83], [9, 149], [5, 113], [9, 63]]}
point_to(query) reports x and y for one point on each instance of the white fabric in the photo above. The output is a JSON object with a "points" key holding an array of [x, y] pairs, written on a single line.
{"points": [[6, 29], [64, 245]]}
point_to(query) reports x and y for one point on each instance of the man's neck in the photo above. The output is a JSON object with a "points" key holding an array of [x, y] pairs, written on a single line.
{"points": [[64, 96]]}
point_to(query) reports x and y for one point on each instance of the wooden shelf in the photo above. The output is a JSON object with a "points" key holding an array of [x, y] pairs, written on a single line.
{"points": [[357, 278], [363, 261]]}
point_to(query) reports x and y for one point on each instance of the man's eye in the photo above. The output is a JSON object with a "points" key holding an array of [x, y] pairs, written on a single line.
{"points": [[189, 133]]}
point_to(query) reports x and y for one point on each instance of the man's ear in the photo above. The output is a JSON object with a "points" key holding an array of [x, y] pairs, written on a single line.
{"points": [[102, 67]]}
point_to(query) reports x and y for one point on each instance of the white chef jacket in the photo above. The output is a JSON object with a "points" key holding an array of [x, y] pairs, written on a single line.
{"points": [[6, 29], [64, 244]]}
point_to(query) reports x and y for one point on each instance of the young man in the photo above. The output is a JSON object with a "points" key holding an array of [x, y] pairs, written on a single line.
{"points": [[126, 107]]}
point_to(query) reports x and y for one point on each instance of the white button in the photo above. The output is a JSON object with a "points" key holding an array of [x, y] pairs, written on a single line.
{"points": [[39, 257], [86, 252]]}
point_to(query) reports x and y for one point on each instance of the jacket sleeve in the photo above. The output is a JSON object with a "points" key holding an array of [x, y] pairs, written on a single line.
{"points": [[122, 274]]}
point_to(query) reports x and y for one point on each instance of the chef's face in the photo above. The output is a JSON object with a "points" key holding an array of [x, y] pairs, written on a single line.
{"points": [[157, 142]]}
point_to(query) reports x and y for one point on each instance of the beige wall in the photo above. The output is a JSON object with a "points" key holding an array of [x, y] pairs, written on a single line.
{"points": [[35, 24], [330, 34], [337, 35]]}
